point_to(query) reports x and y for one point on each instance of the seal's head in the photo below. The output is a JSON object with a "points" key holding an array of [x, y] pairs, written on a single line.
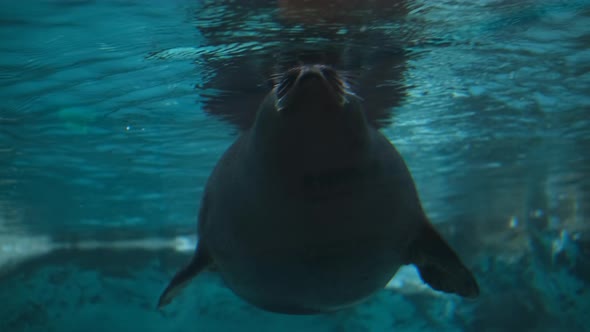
{"points": [[311, 114]]}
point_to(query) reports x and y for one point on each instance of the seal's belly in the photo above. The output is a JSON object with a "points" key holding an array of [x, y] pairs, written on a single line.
{"points": [[305, 255]]}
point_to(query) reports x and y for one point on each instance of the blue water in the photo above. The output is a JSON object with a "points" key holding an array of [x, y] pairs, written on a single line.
{"points": [[106, 144]]}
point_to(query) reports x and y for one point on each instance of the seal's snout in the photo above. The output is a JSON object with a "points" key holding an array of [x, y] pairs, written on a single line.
{"points": [[311, 81], [311, 73], [297, 76]]}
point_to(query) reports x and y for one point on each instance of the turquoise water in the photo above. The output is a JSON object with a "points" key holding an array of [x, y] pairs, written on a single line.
{"points": [[108, 133]]}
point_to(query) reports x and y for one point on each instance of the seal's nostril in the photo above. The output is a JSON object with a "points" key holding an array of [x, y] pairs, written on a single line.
{"points": [[330, 74]]}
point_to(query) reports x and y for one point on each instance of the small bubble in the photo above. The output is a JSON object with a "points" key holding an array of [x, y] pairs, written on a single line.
{"points": [[128, 128], [513, 223]]}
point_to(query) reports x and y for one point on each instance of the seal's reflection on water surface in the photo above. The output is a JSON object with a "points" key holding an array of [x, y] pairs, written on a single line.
{"points": [[362, 38]]}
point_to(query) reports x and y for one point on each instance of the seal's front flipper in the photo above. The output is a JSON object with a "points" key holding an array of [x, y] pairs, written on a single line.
{"points": [[200, 260], [439, 265]]}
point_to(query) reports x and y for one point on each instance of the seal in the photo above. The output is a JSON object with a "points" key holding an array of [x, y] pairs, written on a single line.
{"points": [[313, 209]]}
